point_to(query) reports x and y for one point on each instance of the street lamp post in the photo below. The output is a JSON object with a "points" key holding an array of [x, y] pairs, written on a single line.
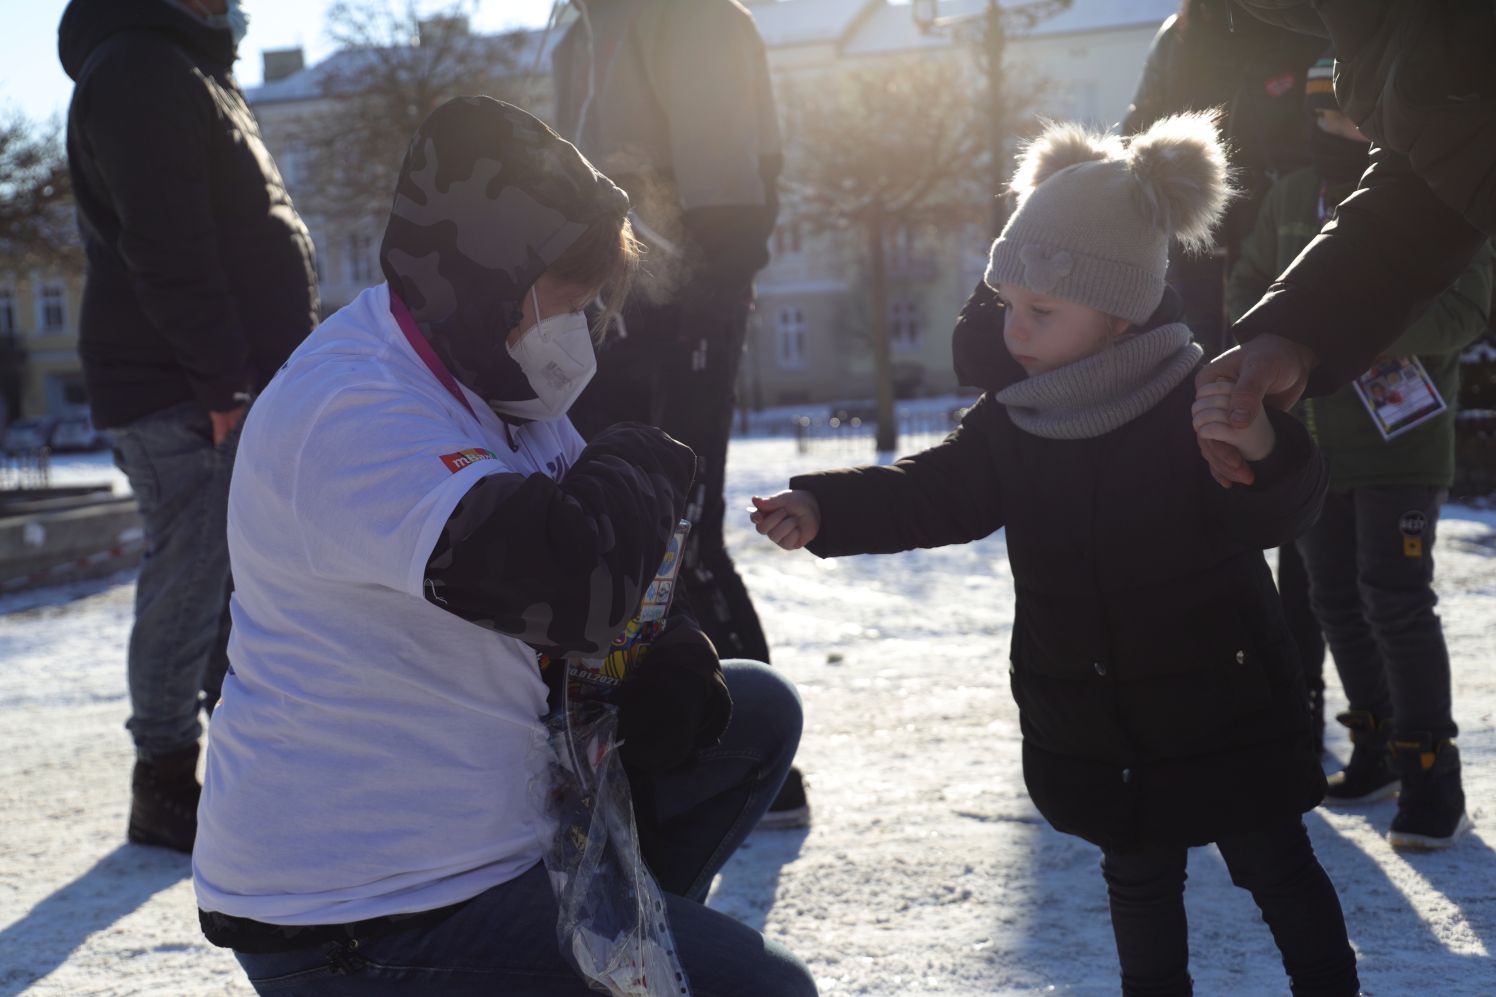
{"points": [[995, 18]]}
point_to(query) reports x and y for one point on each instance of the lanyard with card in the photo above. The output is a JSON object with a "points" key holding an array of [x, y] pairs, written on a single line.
{"points": [[1398, 395]]}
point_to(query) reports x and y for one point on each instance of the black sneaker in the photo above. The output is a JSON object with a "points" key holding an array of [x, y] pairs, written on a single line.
{"points": [[1431, 808], [789, 809], [163, 800], [1368, 777]]}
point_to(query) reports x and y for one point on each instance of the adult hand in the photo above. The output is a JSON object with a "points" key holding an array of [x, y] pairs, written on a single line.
{"points": [[1268, 370], [674, 703], [224, 423], [790, 518]]}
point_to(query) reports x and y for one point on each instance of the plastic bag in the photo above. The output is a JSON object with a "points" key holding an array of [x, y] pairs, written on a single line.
{"points": [[612, 926]]}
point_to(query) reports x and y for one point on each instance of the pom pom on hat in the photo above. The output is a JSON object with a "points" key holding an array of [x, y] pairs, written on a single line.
{"points": [[1183, 178], [1058, 146]]}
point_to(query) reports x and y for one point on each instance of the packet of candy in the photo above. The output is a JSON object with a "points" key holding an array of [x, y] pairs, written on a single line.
{"points": [[598, 678]]}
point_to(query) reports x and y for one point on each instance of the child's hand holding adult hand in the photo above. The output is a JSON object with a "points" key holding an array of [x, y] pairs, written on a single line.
{"points": [[1212, 414], [790, 518]]}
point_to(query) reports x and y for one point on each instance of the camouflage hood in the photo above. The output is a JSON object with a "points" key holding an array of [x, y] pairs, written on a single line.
{"points": [[488, 198]]}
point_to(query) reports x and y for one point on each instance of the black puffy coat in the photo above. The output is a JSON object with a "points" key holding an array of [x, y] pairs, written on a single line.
{"points": [[201, 279], [1159, 691], [1419, 79]]}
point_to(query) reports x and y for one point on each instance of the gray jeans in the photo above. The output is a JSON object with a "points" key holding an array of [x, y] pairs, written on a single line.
{"points": [[178, 647], [1370, 560]]}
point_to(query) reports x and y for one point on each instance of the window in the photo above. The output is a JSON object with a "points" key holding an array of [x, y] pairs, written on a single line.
{"points": [[7, 312], [292, 166], [789, 350], [360, 258], [787, 239], [904, 331], [1085, 102], [898, 249], [51, 314]]}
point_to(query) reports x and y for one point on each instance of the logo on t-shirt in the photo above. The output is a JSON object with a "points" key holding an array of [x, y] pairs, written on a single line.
{"points": [[462, 458]]}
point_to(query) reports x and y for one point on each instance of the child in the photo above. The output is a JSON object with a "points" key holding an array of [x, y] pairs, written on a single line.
{"points": [[1159, 694], [1369, 558]]}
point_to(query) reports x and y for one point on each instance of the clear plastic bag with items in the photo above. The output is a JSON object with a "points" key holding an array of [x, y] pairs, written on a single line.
{"points": [[612, 925]]}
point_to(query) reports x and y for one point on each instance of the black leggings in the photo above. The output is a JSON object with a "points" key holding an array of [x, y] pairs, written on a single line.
{"points": [[1278, 867]]}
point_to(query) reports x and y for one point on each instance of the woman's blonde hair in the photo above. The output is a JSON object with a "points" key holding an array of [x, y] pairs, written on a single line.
{"points": [[605, 257]]}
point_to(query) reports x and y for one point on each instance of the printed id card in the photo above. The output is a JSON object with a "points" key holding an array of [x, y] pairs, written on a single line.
{"points": [[1398, 395]]}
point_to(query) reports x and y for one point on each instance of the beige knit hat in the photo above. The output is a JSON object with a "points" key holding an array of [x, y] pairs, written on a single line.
{"points": [[1096, 213]]}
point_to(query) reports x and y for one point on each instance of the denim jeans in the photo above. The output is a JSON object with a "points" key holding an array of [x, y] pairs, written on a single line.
{"points": [[1370, 560], [1278, 867], [504, 940], [178, 647]]}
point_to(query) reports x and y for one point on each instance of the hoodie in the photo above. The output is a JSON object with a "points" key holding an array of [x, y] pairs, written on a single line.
{"points": [[201, 278]]}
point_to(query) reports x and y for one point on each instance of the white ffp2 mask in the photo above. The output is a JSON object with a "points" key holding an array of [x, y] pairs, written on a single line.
{"points": [[558, 360]]}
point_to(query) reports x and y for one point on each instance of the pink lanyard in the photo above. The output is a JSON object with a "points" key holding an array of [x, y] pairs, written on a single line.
{"points": [[426, 353]]}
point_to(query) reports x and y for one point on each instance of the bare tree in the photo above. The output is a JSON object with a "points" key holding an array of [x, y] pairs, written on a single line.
{"points": [[393, 67], [878, 149], [36, 218]]}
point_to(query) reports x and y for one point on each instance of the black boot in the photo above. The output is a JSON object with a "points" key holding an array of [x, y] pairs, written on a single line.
{"points": [[790, 809], [1368, 776], [1431, 807], [163, 800]]}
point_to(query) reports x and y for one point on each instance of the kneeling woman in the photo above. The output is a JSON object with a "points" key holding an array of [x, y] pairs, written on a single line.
{"points": [[412, 518]]}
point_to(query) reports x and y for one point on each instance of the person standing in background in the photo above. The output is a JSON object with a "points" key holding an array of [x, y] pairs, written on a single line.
{"points": [[201, 281], [1369, 558], [1209, 55], [673, 101]]}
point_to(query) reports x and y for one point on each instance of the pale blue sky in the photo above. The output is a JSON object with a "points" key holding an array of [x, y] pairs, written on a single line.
{"points": [[32, 80]]}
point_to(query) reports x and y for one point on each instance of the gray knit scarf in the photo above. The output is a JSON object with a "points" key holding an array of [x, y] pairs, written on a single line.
{"points": [[1094, 396]]}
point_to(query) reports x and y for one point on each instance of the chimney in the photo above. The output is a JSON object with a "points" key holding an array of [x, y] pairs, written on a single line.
{"points": [[282, 62], [432, 29]]}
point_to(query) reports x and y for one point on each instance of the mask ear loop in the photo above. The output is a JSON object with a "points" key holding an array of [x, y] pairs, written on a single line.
{"points": [[534, 300]]}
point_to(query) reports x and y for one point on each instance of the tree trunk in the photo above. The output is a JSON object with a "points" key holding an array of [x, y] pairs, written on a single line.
{"points": [[888, 430]]}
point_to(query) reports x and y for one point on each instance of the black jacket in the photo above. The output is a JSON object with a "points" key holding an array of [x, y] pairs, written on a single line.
{"points": [[201, 278], [1420, 80], [1158, 688], [1252, 70]]}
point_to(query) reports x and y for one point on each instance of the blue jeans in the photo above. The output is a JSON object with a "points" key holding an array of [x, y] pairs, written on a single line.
{"points": [[504, 940], [178, 647]]}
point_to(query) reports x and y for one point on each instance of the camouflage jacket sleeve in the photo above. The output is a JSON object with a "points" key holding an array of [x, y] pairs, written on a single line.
{"points": [[563, 565]]}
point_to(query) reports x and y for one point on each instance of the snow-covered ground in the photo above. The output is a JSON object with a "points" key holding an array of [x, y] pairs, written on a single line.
{"points": [[926, 870]]}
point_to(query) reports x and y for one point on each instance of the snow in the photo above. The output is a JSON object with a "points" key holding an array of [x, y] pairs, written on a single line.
{"points": [[926, 870]]}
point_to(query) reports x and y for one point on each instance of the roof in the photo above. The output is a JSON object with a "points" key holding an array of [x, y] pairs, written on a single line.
{"points": [[857, 27], [891, 27], [806, 22], [350, 64]]}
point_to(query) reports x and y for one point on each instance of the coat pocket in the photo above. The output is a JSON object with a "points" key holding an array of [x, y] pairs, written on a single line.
{"points": [[1205, 696]]}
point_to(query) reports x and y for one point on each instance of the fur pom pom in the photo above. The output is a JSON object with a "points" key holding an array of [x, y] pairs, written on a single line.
{"points": [[1183, 180], [1058, 146]]}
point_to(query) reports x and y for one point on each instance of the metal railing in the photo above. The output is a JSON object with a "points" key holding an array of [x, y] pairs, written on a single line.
{"points": [[26, 470], [853, 434]]}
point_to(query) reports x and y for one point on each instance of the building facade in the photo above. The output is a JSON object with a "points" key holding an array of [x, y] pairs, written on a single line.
{"points": [[40, 373], [809, 340]]}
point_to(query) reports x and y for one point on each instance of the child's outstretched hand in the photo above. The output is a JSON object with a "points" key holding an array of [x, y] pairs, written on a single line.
{"points": [[1212, 416], [791, 519]]}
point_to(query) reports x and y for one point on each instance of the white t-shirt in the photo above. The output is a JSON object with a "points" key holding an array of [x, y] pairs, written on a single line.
{"points": [[373, 753]]}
